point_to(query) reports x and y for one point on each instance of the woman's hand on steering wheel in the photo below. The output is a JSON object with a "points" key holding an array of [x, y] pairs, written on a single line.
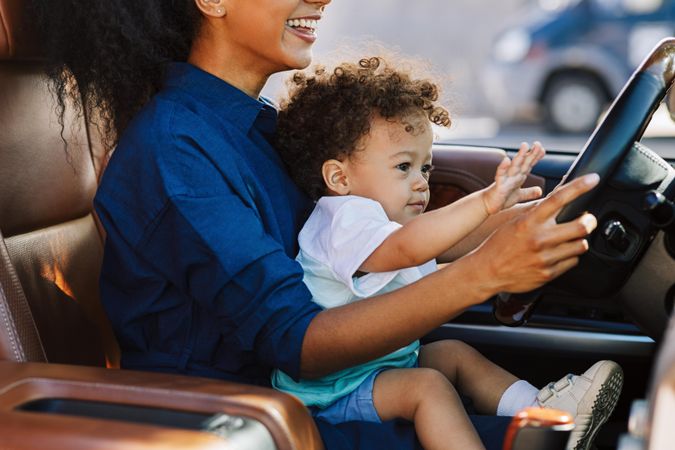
{"points": [[533, 249]]}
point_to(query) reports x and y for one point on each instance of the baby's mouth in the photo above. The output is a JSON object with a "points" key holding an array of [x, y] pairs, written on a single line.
{"points": [[420, 204]]}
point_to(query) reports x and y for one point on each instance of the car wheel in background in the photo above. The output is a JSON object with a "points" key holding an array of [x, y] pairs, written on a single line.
{"points": [[572, 103]]}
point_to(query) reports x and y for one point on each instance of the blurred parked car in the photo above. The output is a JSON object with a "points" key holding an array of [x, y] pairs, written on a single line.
{"points": [[563, 63]]}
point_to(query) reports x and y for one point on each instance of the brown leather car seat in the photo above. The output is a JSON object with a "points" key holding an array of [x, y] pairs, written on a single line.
{"points": [[50, 259], [52, 246]]}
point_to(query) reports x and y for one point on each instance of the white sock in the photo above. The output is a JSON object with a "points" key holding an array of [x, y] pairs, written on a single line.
{"points": [[519, 395]]}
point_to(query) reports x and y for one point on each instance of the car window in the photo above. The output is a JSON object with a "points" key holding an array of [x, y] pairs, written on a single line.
{"points": [[512, 70]]}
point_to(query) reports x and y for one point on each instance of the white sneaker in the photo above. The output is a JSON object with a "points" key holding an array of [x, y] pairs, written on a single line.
{"points": [[589, 397]]}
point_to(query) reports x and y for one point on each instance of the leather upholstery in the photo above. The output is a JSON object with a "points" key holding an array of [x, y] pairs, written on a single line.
{"points": [[58, 267], [48, 177], [42, 182], [285, 418], [19, 339], [462, 170], [16, 40]]}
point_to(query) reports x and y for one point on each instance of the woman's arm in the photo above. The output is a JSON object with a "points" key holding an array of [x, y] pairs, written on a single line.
{"points": [[522, 255]]}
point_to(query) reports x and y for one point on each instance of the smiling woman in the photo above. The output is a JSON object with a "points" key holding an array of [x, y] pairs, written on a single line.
{"points": [[252, 46], [202, 218]]}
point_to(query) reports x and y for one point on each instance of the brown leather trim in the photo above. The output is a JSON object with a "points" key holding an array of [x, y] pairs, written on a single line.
{"points": [[470, 169], [288, 421], [51, 432], [19, 338], [16, 42], [462, 170]]}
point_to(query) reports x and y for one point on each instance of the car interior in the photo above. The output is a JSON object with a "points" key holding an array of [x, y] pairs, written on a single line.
{"points": [[60, 381]]}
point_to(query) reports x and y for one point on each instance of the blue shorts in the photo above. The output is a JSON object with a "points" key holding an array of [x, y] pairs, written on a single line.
{"points": [[358, 405]]}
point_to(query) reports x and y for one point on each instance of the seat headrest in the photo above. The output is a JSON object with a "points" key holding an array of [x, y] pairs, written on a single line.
{"points": [[17, 41]]}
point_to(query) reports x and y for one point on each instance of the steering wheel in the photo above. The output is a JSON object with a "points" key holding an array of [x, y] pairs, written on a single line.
{"points": [[627, 171], [623, 125]]}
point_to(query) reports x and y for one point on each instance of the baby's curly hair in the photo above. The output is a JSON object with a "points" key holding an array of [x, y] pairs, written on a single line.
{"points": [[327, 113]]}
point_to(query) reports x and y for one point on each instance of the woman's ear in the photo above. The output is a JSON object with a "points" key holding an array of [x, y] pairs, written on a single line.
{"points": [[335, 176], [212, 8]]}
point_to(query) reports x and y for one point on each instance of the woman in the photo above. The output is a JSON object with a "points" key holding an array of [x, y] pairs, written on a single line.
{"points": [[201, 218]]}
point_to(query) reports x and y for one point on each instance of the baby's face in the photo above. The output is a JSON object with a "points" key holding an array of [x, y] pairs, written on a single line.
{"points": [[393, 166]]}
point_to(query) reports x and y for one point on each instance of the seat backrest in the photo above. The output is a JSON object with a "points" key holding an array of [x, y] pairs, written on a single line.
{"points": [[52, 248]]}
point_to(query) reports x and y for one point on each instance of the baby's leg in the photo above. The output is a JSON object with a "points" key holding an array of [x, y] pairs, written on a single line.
{"points": [[470, 372], [426, 397]]}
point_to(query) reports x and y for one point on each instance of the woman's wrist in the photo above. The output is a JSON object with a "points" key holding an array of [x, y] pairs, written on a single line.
{"points": [[473, 272]]}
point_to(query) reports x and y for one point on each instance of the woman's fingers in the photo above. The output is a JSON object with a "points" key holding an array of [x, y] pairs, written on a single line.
{"points": [[572, 249], [533, 249], [559, 233], [551, 206]]}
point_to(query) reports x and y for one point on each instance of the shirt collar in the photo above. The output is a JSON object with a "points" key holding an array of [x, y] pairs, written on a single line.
{"points": [[220, 96]]}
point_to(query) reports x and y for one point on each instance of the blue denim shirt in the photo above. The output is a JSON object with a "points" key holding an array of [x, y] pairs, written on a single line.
{"points": [[199, 275]]}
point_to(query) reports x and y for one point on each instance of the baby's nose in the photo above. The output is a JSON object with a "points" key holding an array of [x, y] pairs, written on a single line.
{"points": [[421, 183]]}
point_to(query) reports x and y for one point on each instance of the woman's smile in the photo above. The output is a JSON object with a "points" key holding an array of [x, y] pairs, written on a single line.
{"points": [[304, 27]]}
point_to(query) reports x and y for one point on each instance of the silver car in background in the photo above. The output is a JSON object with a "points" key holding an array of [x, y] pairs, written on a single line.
{"points": [[563, 62]]}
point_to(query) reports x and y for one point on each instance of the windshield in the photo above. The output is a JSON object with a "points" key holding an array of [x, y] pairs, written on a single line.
{"points": [[509, 72]]}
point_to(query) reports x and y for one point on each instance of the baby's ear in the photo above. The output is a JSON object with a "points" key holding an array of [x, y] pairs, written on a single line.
{"points": [[335, 176]]}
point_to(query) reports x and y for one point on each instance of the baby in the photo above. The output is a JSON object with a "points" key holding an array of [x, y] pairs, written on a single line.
{"points": [[358, 140]]}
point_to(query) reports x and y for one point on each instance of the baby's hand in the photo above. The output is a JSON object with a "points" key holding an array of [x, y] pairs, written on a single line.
{"points": [[505, 191]]}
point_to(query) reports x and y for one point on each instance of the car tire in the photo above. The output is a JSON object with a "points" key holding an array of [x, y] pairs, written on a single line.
{"points": [[573, 103]]}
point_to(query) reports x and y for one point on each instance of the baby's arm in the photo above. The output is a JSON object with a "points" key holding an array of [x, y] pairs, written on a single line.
{"points": [[431, 234]]}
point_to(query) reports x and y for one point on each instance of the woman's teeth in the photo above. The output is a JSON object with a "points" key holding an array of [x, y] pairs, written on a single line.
{"points": [[302, 23]]}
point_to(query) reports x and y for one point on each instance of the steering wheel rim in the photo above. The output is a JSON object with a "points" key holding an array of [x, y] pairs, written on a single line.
{"points": [[623, 125]]}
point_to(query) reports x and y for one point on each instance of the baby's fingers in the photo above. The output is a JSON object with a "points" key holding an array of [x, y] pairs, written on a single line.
{"points": [[535, 154], [503, 168], [530, 193], [519, 160]]}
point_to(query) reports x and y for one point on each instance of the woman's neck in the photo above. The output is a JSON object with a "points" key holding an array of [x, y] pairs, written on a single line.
{"points": [[209, 54]]}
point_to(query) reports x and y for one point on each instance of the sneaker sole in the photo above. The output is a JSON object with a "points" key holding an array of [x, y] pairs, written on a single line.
{"points": [[603, 405]]}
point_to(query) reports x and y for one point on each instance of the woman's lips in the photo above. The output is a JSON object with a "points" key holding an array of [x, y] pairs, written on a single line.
{"points": [[305, 34], [304, 27]]}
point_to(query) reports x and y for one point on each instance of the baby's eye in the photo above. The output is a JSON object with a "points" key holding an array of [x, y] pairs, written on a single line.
{"points": [[427, 169], [403, 167]]}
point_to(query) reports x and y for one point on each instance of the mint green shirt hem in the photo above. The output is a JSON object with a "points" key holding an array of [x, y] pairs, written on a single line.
{"points": [[324, 391]]}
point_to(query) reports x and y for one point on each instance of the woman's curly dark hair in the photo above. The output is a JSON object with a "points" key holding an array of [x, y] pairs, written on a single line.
{"points": [[329, 112], [114, 51]]}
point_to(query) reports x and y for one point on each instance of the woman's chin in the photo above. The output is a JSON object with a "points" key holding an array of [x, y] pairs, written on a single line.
{"points": [[297, 59]]}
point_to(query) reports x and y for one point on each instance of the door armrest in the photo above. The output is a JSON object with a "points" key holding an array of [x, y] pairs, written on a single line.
{"points": [[33, 415]]}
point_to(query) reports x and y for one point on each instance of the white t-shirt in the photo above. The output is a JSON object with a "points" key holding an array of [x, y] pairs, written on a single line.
{"points": [[340, 234], [337, 238]]}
